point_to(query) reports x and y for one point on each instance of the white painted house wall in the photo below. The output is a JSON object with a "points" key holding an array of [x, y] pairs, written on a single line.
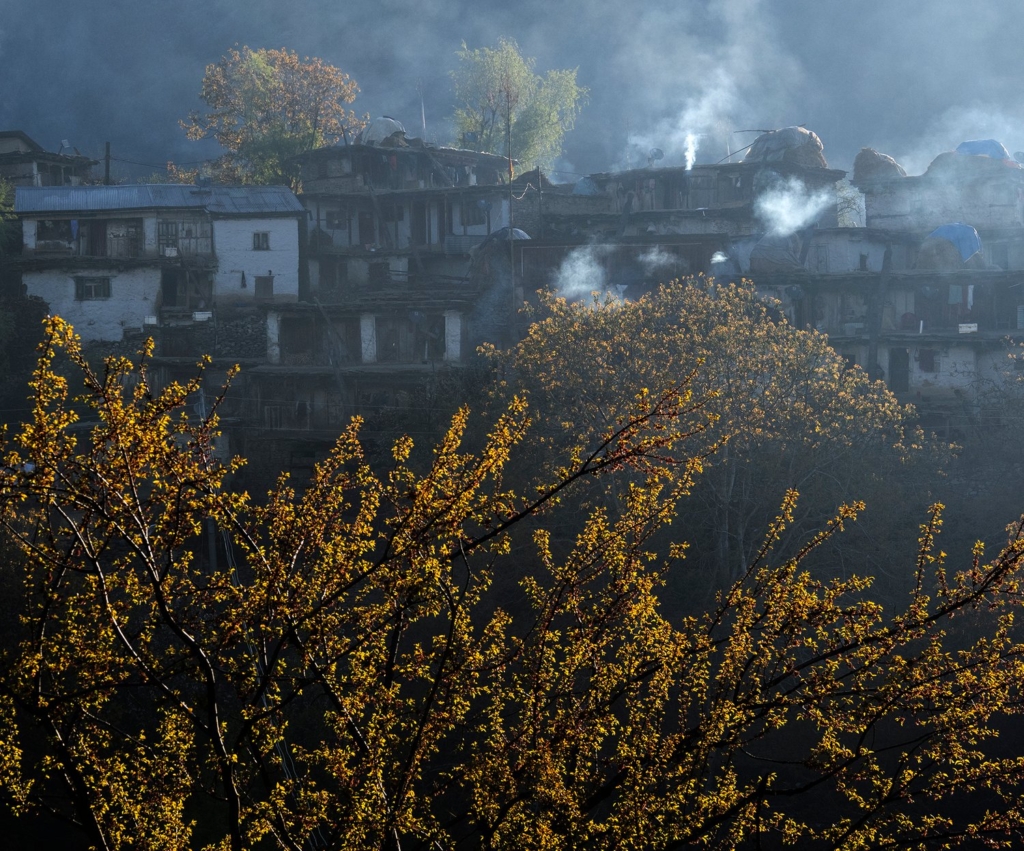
{"points": [[233, 246], [835, 252], [956, 369], [133, 296], [924, 206]]}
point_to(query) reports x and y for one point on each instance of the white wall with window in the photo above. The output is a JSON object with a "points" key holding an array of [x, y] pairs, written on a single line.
{"points": [[257, 260], [100, 303]]}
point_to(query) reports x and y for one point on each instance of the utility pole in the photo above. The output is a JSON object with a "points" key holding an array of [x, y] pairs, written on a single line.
{"points": [[423, 109], [106, 166], [511, 219]]}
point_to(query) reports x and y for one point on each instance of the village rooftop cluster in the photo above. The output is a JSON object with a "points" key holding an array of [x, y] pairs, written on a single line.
{"points": [[399, 258]]}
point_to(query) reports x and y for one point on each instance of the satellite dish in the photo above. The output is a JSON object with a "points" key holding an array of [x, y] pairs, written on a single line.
{"points": [[656, 154]]}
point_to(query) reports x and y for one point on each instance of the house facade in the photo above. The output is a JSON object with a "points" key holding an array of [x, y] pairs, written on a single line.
{"points": [[111, 258], [647, 225], [24, 162], [924, 295]]}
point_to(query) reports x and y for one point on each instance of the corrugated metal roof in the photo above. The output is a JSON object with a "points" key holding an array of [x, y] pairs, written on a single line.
{"points": [[218, 200]]}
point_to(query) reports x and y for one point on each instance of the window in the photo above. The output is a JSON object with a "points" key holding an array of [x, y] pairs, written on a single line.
{"points": [[474, 212], [264, 287], [184, 236], [392, 212], [91, 289], [926, 360], [261, 241], [167, 235], [337, 219], [379, 274], [999, 254], [59, 230], [124, 238]]}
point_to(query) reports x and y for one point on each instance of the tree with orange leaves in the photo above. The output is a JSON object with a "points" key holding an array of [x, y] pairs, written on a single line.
{"points": [[266, 106]]}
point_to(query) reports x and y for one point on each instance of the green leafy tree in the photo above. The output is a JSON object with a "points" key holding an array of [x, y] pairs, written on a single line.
{"points": [[347, 676], [265, 106], [498, 94]]}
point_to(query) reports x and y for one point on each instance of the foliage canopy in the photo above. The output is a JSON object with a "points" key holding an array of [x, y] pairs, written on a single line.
{"points": [[789, 413], [497, 93], [402, 658], [265, 106]]}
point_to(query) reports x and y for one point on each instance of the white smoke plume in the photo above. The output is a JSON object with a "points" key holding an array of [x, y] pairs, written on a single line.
{"points": [[705, 114], [789, 206], [655, 260], [691, 150], [708, 66], [581, 272]]}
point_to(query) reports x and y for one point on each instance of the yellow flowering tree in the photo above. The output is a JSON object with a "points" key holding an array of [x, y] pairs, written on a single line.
{"points": [[409, 658], [789, 414]]}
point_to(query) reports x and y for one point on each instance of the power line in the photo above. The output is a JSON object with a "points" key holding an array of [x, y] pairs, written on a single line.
{"points": [[160, 165]]}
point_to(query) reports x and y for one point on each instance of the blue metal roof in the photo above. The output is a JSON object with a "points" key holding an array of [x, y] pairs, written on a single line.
{"points": [[217, 200]]}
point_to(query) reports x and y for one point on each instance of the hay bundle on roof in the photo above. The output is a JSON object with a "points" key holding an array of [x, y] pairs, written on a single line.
{"points": [[793, 145], [871, 166]]}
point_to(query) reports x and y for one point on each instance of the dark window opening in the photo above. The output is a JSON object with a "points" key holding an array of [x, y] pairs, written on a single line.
{"points": [[48, 230], [367, 229], [261, 241], [474, 213], [927, 360], [392, 212], [170, 279], [699, 192], [264, 287], [899, 370], [420, 228], [97, 239], [380, 274]]}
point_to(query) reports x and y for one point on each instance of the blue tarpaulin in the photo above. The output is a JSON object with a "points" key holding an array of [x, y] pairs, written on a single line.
{"points": [[964, 237], [984, 148]]}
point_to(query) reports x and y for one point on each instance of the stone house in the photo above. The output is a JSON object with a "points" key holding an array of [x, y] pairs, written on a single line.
{"points": [[24, 162], [111, 258]]}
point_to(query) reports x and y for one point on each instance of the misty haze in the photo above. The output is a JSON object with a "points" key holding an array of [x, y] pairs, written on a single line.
{"points": [[542, 426]]}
